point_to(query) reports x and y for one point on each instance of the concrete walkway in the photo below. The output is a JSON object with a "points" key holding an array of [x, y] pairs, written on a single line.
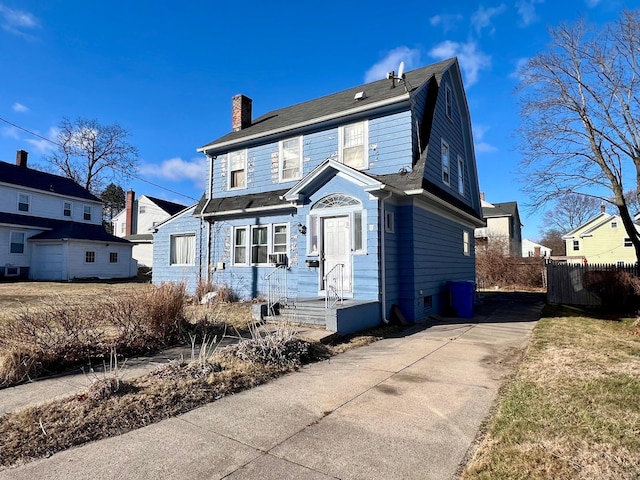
{"points": [[401, 408]]}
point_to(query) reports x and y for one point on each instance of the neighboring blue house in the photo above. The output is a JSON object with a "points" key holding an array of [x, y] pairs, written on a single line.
{"points": [[369, 195]]}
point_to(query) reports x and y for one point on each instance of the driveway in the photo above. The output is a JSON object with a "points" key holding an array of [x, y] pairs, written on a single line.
{"points": [[402, 408]]}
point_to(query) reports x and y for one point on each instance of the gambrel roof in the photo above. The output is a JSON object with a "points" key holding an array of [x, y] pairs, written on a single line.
{"points": [[46, 182]]}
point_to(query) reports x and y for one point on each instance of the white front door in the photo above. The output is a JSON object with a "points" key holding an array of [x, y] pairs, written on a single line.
{"points": [[336, 246]]}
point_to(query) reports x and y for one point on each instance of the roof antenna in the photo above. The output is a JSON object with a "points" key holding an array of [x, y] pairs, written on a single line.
{"points": [[400, 77]]}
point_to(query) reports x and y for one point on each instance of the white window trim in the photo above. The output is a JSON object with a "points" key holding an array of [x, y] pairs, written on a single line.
{"points": [[614, 224], [249, 243], [183, 234], [273, 234], [84, 208], [365, 143], [86, 255], [24, 242], [466, 243], [574, 244], [281, 179], [70, 209], [444, 144], [460, 175], [624, 242], [28, 202], [245, 154], [316, 217]]}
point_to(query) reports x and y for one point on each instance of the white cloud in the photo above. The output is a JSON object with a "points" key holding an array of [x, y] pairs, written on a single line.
{"points": [[527, 11], [592, 3], [448, 21], [471, 59], [10, 132], [410, 57], [43, 146], [16, 21], [481, 146], [520, 64], [18, 107], [483, 16], [176, 170]]}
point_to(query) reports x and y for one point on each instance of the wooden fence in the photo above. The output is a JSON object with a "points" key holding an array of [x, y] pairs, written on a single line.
{"points": [[568, 284]]}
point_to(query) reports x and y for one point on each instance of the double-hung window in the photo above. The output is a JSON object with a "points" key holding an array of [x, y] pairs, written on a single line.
{"points": [[24, 202], [290, 159], [628, 242], [353, 142], [87, 212], [259, 244], [17, 242], [182, 250], [240, 245], [66, 209], [279, 242], [238, 169], [444, 149]]}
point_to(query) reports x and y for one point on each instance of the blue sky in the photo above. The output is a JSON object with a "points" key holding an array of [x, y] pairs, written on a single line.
{"points": [[166, 71]]}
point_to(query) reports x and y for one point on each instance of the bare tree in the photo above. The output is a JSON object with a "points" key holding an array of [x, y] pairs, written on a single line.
{"points": [[581, 115], [552, 238], [571, 211], [92, 154]]}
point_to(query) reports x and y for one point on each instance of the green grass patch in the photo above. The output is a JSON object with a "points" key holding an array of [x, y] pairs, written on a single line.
{"points": [[572, 409]]}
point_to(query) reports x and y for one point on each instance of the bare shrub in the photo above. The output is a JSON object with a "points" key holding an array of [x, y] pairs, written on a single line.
{"points": [[18, 365], [204, 286], [494, 268], [616, 288]]}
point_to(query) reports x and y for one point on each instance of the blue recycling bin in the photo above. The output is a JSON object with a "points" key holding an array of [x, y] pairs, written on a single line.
{"points": [[462, 297]]}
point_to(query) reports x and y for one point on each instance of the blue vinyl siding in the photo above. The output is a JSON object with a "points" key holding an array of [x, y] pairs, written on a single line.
{"points": [[425, 252], [187, 274]]}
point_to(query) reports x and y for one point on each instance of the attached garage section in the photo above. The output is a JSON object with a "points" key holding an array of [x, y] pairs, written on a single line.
{"points": [[49, 262]]}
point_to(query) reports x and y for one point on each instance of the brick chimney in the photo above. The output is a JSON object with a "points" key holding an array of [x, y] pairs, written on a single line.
{"points": [[21, 158], [536, 252], [482, 196], [129, 209], [240, 112], [602, 208]]}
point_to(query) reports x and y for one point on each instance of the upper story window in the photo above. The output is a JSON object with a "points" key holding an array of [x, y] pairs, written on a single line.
{"points": [[628, 242], [448, 101], [353, 141], [87, 212], [141, 209], [238, 169], [445, 162], [576, 245], [290, 159], [24, 202], [66, 209], [460, 176], [614, 224]]}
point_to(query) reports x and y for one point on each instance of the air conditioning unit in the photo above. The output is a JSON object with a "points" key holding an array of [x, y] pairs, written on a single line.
{"points": [[278, 259]]}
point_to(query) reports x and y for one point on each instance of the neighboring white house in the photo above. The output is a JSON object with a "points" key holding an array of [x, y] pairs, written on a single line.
{"points": [[138, 220], [51, 229], [533, 249], [503, 227]]}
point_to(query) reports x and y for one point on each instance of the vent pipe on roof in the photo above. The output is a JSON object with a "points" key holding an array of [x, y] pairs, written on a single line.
{"points": [[21, 158], [241, 112]]}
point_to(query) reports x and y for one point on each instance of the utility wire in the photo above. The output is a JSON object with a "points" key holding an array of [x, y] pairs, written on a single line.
{"points": [[122, 170]]}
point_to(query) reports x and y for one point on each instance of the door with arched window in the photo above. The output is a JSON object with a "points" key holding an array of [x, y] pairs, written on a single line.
{"points": [[336, 223]]}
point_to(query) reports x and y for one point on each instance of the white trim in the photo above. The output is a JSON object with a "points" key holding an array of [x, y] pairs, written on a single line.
{"points": [[429, 200], [443, 145], [195, 247], [84, 213], [313, 121], [244, 152], [281, 179], [28, 203], [70, 208], [365, 143], [461, 176], [24, 242]]}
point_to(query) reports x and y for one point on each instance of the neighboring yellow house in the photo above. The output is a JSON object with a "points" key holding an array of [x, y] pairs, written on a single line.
{"points": [[601, 240]]}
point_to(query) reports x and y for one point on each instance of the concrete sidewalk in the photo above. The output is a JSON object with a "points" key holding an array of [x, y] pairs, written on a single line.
{"points": [[406, 407]]}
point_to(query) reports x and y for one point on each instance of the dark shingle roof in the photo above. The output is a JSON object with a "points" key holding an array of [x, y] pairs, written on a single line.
{"points": [[334, 104], [59, 229], [504, 209], [170, 207], [242, 202], [47, 182]]}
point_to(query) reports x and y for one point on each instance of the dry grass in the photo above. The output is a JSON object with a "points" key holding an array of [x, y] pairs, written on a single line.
{"points": [[572, 410]]}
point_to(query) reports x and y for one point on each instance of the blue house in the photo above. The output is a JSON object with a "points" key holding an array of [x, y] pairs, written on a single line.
{"points": [[363, 202]]}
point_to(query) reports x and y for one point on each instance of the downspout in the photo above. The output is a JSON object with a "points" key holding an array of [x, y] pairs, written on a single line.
{"points": [[209, 195], [383, 270]]}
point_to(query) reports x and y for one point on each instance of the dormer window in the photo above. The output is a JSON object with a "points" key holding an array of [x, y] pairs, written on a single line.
{"points": [[353, 141], [24, 202], [238, 169], [290, 165]]}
